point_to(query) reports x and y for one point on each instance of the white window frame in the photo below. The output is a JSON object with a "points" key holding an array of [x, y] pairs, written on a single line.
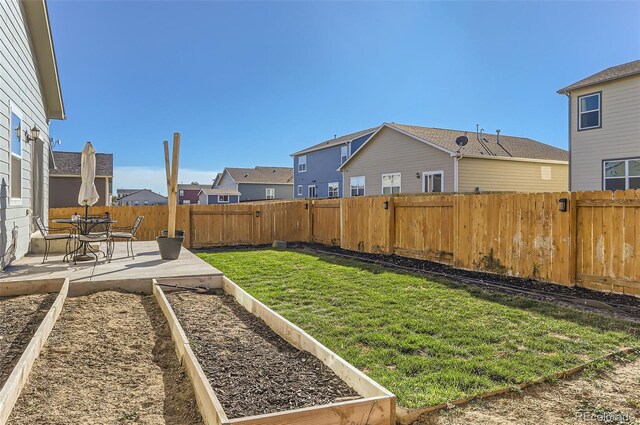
{"points": [[364, 185], [221, 199], [345, 153], [626, 172], [13, 109], [146, 202], [302, 160], [181, 192], [300, 190], [337, 189], [266, 193], [315, 189], [136, 202], [382, 183], [431, 173], [186, 202], [580, 113]]}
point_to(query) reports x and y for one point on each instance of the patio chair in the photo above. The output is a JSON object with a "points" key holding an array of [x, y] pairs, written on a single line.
{"points": [[128, 233], [96, 238], [49, 234]]}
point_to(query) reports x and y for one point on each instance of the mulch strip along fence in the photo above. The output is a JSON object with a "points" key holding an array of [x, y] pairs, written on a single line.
{"points": [[109, 360], [594, 242], [252, 370], [373, 404], [40, 303], [409, 416]]}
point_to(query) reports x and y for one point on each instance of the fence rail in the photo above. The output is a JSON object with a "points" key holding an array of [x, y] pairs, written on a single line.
{"points": [[593, 243]]}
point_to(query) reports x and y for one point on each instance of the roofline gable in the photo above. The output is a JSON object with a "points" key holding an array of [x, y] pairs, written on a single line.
{"points": [[392, 127]]}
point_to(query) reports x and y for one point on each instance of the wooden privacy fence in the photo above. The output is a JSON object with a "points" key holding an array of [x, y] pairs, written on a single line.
{"points": [[593, 243]]}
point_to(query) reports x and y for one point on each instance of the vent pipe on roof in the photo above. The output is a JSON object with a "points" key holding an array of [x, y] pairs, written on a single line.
{"points": [[498, 136], [335, 136]]}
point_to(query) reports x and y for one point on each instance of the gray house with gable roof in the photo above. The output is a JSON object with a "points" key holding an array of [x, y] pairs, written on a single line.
{"points": [[257, 184]]}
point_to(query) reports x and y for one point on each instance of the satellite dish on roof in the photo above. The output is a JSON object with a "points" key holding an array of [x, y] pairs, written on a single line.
{"points": [[462, 141]]}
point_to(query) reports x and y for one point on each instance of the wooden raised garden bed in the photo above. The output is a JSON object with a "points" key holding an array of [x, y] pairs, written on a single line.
{"points": [[28, 312], [110, 359], [279, 375]]}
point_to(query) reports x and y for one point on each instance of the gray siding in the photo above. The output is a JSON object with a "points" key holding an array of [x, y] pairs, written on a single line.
{"points": [[257, 192], [19, 85], [213, 200], [619, 136], [322, 169], [64, 191], [226, 182], [393, 152], [146, 195]]}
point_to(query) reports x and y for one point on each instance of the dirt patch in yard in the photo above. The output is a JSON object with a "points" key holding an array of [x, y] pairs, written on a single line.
{"points": [[19, 320], [108, 360], [610, 397], [251, 369]]}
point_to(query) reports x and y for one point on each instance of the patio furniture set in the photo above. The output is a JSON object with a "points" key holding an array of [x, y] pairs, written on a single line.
{"points": [[82, 232]]}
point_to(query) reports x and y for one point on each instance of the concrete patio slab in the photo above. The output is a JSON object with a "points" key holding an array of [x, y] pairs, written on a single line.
{"points": [[123, 272]]}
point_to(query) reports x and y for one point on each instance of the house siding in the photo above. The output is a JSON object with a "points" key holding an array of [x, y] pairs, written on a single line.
{"points": [[213, 200], [20, 86], [226, 182], [145, 195], [257, 191], [390, 152], [64, 191], [618, 137], [322, 168], [510, 176]]}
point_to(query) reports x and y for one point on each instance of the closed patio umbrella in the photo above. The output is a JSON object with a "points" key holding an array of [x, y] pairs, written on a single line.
{"points": [[88, 193]]}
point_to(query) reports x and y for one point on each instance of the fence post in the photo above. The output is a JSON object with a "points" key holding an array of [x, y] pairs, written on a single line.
{"points": [[391, 238], [573, 238], [309, 220]]}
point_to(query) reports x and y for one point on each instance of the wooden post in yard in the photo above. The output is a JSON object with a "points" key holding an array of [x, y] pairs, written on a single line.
{"points": [[171, 168]]}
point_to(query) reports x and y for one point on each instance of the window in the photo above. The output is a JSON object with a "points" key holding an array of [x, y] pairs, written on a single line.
{"points": [[545, 172], [390, 183], [334, 190], [136, 202], [357, 186], [186, 202], [344, 153], [433, 181], [181, 192], [299, 190], [146, 202], [589, 111], [311, 191], [302, 164], [223, 198], [15, 163], [622, 174], [271, 193]]}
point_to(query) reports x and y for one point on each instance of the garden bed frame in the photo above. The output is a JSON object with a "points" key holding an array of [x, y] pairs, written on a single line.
{"points": [[15, 382], [377, 407]]}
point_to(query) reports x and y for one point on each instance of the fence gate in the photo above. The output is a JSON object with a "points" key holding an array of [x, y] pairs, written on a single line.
{"points": [[224, 227], [325, 222]]}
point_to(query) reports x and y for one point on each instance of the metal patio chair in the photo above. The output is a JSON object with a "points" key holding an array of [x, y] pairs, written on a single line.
{"points": [[91, 238], [128, 233], [49, 234]]}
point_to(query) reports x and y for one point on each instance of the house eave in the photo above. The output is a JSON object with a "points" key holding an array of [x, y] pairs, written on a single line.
{"points": [[571, 88], [508, 158]]}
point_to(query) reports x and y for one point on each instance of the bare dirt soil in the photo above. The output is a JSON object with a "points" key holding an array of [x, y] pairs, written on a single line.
{"points": [[610, 397], [252, 370], [19, 319], [108, 360]]}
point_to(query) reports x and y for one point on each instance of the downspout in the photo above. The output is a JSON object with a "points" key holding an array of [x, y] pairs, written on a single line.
{"points": [[569, 134], [456, 158]]}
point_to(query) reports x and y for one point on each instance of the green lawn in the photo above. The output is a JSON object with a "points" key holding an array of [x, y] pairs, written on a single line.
{"points": [[426, 341]]}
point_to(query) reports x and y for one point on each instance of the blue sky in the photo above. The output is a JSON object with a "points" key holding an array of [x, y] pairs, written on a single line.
{"points": [[248, 83]]}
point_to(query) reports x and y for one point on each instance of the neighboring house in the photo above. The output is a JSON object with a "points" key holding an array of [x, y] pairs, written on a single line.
{"points": [[30, 97], [210, 196], [124, 192], [142, 197], [257, 184], [65, 179], [604, 129], [401, 158], [315, 169], [189, 193]]}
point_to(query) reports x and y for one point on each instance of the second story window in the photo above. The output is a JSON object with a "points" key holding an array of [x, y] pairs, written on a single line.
{"points": [[302, 164], [344, 153], [271, 193], [181, 192], [589, 111]]}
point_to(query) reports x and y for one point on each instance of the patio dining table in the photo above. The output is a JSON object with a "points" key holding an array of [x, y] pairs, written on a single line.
{"points": [[84, 226]]}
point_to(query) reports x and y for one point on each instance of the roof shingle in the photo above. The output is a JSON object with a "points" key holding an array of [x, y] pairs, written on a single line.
{"points": [[335, 141], [272, 175], [68, 164], [612, 73]]}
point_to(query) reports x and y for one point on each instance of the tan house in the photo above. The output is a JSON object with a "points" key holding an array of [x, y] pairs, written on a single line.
{"points": [[401, 158], [65, 179], [604, 129]]}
